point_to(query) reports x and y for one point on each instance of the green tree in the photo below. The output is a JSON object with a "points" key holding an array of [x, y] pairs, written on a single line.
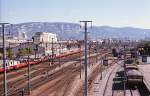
{"points": [[25, 51], [10, 53], [144, 48], [29, 51]]}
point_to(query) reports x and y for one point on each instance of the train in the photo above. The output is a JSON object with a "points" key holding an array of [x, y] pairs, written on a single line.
{"points": [[131, 67], [134, 76], [12, 65]]}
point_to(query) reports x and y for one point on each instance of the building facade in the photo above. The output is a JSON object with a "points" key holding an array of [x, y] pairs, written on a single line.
{"points": [[44, 37]]}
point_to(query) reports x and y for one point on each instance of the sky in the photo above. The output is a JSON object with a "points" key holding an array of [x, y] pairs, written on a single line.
{"points": [[117, 13]]}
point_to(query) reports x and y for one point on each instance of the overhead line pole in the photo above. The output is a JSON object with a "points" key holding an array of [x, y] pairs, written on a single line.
{"points": [[59, 52], [124, 84], [52, 51], [96, 50], [85, 60], [29, 69], [80, 60], [4, 59]]}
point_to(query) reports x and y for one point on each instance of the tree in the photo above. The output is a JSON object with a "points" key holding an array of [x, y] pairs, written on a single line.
{"points": [[114, 52], [10, 53], [25, 51], [29, 50], [144, 48]]}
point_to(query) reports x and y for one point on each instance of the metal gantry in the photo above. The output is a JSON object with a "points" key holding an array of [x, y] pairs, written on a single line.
{"points": [[4, 59], [85, 60]]}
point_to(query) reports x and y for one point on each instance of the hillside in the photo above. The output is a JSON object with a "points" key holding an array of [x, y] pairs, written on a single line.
{"points": [[72, 30]]}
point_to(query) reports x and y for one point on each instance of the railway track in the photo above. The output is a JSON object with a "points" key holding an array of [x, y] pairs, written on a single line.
{"points": [[143, 90], [21, 71], [36, 82], [60, 75], [24, 70], [20, 82], [37, 68], [91, 80], [109, 83], [132, 92], [66, 88], [60, 85], [14, 85], [139, 90]]}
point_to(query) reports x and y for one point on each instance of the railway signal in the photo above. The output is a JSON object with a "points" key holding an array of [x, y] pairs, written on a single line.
{"points": [[105, 62]]}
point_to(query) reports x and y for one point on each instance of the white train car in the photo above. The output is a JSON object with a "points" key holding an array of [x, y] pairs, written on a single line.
{"points": [[9, 63]]}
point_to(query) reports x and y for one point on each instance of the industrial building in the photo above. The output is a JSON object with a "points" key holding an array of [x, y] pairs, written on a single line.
{"points": [[44, 37]]}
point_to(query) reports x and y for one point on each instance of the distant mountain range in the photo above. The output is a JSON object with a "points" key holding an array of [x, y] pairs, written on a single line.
{"points": [[73, 31], [122, 33]]}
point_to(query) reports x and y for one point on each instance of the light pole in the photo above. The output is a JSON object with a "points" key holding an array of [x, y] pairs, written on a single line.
{"points": [[29, 67], [96, 50], [59, 53], [80, 59], [29, 76], [101, 67], [124, 83], [4, 58], [85, 60], [52, 51], [89, 53]]}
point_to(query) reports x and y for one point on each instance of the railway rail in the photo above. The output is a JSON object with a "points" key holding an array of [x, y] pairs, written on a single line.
{"points": [[37, 68], [138, 90], [57, 76], [131, 89], [34, 74], [92, 78], [109, 83], [143, 90], [132, 92], [45, 79]]}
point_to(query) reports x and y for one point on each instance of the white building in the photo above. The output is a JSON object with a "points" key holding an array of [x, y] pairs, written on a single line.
{"points": [[45, 37]]}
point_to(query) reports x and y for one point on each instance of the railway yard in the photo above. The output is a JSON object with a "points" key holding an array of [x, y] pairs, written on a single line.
{"points": [[64, 76], [74, 48]]}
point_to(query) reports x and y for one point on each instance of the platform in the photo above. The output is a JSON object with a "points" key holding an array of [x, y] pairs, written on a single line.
{"points": [[145, 69]]}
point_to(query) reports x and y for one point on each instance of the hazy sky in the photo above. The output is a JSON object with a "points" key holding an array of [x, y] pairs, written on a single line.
{"points": [[134, 13]]}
